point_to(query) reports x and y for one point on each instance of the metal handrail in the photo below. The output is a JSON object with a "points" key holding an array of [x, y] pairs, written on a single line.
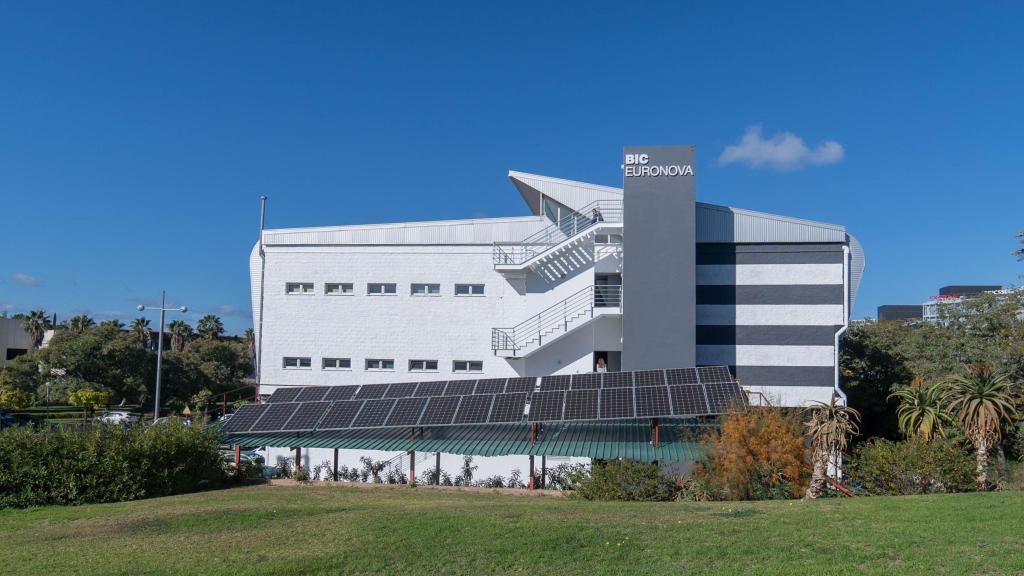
{"points": [[556, 317], [557, 232]]}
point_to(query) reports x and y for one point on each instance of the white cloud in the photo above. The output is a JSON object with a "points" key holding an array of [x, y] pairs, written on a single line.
{"points": [[27, 280], [784, 151]]}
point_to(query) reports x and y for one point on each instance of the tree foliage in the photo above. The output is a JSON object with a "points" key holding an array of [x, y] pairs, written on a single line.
{"points": [[981, 400], [830, 427], [922, 410]]}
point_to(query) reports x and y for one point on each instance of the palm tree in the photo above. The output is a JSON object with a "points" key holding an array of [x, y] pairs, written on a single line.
{"points": [[113, 323], [210, 327], [830, 427], [35, 324], [250, 344], [79, 324], [981, 400], [180, 333], [140, 329], [922, 410]]}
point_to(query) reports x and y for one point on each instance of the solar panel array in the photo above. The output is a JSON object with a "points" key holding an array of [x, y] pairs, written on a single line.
{"points": [[677, 392]]}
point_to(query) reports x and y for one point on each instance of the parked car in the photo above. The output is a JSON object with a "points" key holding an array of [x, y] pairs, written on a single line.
{"points": [[13, 420], [122, 417], [246, 457]]}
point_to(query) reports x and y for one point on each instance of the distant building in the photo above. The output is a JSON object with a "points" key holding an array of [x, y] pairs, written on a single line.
{"points": [[951, 296], [14, 341], [901, 312]]}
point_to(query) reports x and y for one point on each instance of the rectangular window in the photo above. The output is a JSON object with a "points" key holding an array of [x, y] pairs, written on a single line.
{"points": [[298, 288], [380, 288], [337, 364], [467, 366], [469, 289], [422, 365], [380, 364], [338, 289], [608, 239], [297, 362], [426, 289]]}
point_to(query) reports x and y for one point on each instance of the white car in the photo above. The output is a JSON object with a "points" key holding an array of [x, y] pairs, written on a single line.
{"points": [[119, 417]]}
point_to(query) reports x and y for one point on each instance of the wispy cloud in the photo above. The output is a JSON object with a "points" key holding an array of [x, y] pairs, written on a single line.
{"points": [[784, 151], [27, 280]]}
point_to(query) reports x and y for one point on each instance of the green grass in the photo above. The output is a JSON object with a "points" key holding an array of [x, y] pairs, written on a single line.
{"points": [[317, 530]]}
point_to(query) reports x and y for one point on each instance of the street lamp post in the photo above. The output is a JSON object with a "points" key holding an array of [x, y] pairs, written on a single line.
{"points": [[160, 345]]}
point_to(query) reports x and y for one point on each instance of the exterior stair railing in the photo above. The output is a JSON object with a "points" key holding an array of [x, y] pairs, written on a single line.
{"points": [[556, 319], [515, 253]]}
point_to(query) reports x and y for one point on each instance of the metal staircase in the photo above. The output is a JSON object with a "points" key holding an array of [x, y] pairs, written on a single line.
{"points": [[556, 321], [565, 234]]}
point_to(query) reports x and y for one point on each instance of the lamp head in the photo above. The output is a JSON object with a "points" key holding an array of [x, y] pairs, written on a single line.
{"points": [[140, 307], [183, 309]]}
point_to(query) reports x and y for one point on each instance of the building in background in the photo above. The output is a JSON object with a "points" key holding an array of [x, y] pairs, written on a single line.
{"points": [[901, 312], [14, 341], [950, 298]]}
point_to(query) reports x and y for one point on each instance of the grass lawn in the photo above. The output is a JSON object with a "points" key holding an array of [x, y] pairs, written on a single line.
{"points": [[337, 530]]}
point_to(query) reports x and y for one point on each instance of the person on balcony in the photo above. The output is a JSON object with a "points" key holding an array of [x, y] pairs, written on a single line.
{"points": [[596, 216], [601, 365]]}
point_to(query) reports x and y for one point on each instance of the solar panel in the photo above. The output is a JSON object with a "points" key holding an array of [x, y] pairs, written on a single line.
{"points": [[581, 405], [430, 389], [307, 416], [340, 415], [520, 385], [560, 382], [244, 418], [617, 379], [474, 409], [440, 410], [460, 388], [274, 419], [681, 376], [652, 401], [407, 411], [374, 413], [649, 378], [490, 386], [371, 391], [585, 381], [724, 397], [400, 390], [284, 395], [508, 407], [709, 374], [547, 405], [688, 400], [341, 393], [312, 394], [617, 403]]}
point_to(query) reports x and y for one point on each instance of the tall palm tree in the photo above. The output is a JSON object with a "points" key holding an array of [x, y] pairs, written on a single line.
{"points": [[250, 344], [180, 333], [79, 324], [35, 324], [140, 329], [981, 400], [113, 323], [922, 411], [830, 427], [210, 327]]}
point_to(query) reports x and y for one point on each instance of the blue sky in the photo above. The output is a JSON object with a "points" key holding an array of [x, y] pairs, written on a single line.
{"points": [[136, 138]]}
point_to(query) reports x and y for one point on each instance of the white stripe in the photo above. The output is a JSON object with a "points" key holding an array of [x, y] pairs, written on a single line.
{"points": [[789, 395], [770, 314], [760, 355], [769, 274]]}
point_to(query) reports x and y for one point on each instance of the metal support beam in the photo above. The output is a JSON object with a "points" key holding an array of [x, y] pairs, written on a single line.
{"points": [[531, 472], [543, 470], [412, 468], [437, 468], [298, 459], [238, 456], [335, 476], [654, 431]]}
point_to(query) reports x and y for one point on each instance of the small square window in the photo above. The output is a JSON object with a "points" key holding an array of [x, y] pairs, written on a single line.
{"points": [[337, 364], [338, 289], [608, 239], [380, 288], [294, 362], [380, 364], [469, 289], [298, 288], [426, 290], [467, 366], [422, 365]]}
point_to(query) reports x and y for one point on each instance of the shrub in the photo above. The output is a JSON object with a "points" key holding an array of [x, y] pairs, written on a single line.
{"points": [[621, 480], [882, 466], [105, 463]]}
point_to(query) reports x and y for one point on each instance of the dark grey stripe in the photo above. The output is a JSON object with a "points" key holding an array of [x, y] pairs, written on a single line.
{"points": [[785, 375], [769, 254], [786, 294], [766, 335]]}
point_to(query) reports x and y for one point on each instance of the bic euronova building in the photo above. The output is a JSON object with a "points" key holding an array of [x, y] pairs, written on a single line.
{"points": [[637, 277]]}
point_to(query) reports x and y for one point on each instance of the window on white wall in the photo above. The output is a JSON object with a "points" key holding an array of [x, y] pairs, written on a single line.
{"points": [[298, 288], [297, 362], [337, 364], [608, 239], [422, 365], [380, 364], [381, 289], [426, 290], [338, 289], [469, 289], [467, 366]]}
